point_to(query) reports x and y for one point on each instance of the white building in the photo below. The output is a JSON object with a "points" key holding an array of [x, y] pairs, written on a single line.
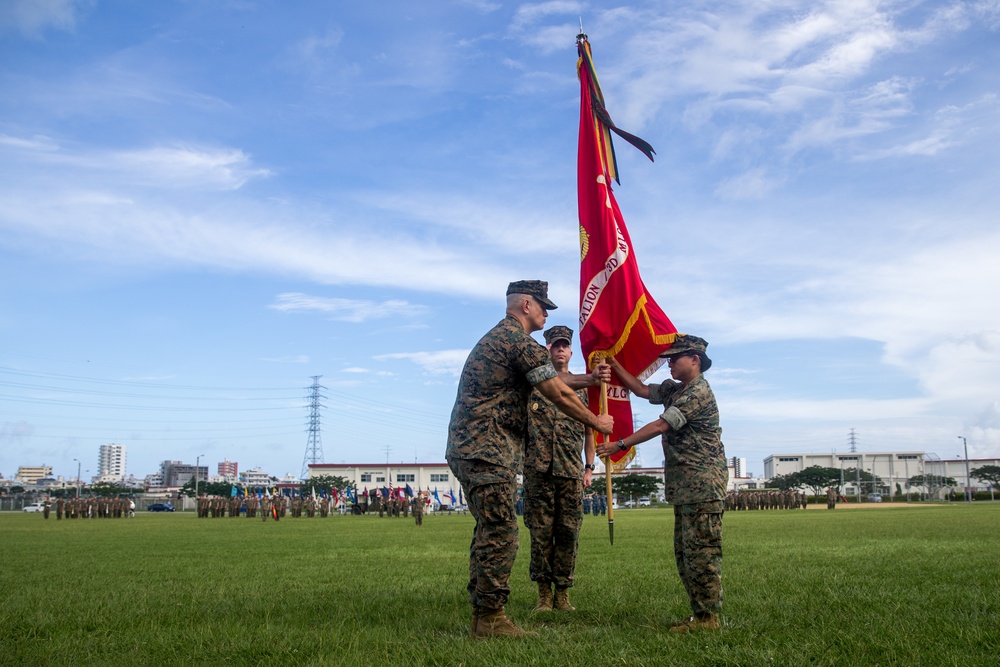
{"points": [[893, 469], [229, 470], [420, 476], [31, 474], [255, 477], [738, 465], [111, 463]]}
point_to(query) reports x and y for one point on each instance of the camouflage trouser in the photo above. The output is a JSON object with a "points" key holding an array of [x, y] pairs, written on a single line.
{"points": [[698, 552], [553, 512], [489, 491]]}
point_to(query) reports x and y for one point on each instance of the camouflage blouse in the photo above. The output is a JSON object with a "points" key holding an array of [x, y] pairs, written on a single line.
{"points": [[555, 440], [489, 420], [694, 460]]}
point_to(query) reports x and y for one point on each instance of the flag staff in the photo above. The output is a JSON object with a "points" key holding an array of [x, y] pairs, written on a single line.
{"points": [[607, 462], [618, 316]]}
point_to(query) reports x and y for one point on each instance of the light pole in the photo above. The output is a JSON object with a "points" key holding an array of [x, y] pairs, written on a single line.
{"points": [[968, 490], [197, 462], [77, 477]]}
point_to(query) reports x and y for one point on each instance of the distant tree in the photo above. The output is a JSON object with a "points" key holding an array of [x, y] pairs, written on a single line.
{"points": [[206, 488], [818, 478], [108, 489], [931, 482], [989, 474], [633, 485], [785, 482]]}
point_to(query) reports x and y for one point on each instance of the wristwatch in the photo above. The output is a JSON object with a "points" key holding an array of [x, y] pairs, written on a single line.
{"points": [[621, 445], [590, 466]]}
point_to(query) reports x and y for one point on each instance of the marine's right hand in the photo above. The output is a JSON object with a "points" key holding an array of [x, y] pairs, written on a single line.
{"points": [[605, 424]]}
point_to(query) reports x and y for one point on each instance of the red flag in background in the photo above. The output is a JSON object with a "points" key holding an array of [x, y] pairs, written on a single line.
{"points": [[618, 317]]}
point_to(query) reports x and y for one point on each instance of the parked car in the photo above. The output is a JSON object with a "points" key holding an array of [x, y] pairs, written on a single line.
{"points": [[874, 498], [160, 507], [644, 502], [34, 507]]}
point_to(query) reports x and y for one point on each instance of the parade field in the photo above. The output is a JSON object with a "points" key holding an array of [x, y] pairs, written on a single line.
{"points": [[886, 586]]}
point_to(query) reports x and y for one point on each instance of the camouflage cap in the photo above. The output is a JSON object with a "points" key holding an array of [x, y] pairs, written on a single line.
{"points": [[686, 344], [536, 288], [558, 332]]}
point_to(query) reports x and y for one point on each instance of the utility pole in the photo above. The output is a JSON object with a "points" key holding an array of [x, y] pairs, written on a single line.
{"points": [[968, 489], [857, 480], [314, 445], [197, 463]]}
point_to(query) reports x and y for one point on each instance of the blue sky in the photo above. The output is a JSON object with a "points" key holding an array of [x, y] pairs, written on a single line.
{"points": [[204, 204]]}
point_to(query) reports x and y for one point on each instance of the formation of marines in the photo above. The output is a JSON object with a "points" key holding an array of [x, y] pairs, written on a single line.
{"points": [[765, 500], [277, 506], [95, 507]]}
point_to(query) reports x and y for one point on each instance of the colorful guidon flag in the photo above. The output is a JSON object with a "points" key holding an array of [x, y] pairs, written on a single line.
{"points": [[618, 317]]}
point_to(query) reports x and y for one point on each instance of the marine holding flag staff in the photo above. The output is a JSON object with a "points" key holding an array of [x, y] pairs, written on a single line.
{"points": [[554, 479], [694, 474], [486, 437]]}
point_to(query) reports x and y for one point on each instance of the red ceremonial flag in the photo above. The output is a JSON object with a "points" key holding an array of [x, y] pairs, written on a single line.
{"points": [[618, 317]]}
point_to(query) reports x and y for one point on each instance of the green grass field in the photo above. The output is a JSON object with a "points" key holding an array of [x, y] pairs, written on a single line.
{"points": [[888, 586]]}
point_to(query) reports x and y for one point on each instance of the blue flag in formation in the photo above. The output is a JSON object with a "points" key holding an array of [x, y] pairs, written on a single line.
{"points": [[409, 491]]}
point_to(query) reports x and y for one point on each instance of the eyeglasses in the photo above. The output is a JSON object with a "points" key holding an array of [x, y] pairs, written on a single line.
{"points": [[674, 357]]}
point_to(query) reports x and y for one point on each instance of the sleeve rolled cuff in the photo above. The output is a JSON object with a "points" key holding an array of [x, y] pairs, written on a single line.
{"points": [[674, 417], [541, 374]]}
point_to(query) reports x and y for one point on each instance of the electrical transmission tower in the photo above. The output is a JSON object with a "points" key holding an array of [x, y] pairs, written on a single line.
{"points": [[852, 438], [314, 445]]}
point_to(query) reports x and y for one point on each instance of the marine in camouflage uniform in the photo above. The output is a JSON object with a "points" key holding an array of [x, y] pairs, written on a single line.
{"points": [[486, 436], [554, 479], [418, 508], [695, 473]]}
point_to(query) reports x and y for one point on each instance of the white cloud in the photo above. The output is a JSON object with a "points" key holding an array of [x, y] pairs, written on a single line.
{"points": [[346, 310], [293, 359], [187, 167], [358, 370], [444, 362], [753, 184], [528, 15], [160, 167], [33, 144], [482, 5], [32, 17]]}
